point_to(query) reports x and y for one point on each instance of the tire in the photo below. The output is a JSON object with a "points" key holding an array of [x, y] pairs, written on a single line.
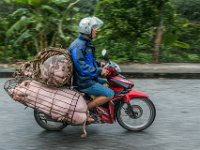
{"points": [[47, 123], [139, 110]]}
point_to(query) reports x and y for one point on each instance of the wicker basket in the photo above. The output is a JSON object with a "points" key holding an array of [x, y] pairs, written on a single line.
{"points": [[51, 66]]}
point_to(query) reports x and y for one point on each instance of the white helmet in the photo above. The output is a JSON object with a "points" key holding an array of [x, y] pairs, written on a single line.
{"points": [[86, 24]]}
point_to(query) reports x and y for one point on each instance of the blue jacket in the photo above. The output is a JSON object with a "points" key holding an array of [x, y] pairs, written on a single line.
{"points": [[86, 68]]}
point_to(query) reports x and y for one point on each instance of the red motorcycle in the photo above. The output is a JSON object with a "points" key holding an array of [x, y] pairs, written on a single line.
{"points": [[132, 109]]}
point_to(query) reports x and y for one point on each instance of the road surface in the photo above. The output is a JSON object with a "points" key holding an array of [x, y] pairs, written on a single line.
{"points": [[176, 127]]}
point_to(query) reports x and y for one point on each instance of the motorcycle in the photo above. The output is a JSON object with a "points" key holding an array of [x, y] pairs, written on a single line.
{"points": [[133, 109]]}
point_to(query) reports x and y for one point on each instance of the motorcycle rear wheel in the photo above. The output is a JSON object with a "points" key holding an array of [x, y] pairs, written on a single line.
{"points": [[145, 113], [47, 123]]}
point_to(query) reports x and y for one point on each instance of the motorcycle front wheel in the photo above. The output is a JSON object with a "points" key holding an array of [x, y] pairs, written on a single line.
{"points": [[144, 114], [47, 122]]}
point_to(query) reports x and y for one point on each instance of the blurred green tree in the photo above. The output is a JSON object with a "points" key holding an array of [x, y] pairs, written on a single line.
{"points": [[131, 27], [37, 24], [139, 30], [188, 8]]}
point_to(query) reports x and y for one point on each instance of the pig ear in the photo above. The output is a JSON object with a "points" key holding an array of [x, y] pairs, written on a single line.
{"points": [[26, 83]]}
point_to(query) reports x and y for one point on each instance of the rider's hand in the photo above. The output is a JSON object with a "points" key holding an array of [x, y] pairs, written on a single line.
{"points": [[104, 72], [103, 64]]}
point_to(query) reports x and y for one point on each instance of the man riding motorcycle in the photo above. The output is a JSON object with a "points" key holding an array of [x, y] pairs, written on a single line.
{"points": [[87, 70]]}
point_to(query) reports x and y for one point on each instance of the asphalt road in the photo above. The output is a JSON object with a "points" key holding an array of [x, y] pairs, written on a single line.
{"points": [[176, 127]]}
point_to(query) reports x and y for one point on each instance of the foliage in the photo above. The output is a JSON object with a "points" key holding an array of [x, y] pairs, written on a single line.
{"points": [[188, 32], [36, 24], [27, 26], [129, 25], [188, 8]]}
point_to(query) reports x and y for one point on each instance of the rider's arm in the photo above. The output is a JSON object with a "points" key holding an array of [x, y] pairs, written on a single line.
{"points": [[98, 63], [81, 64]]}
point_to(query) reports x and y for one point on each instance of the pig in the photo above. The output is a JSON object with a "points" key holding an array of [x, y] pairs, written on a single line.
{"points": [[57, 103], [56, 70]]}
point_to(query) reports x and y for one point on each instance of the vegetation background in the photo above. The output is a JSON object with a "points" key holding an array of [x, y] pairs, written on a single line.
{"points": [[144, 31]]}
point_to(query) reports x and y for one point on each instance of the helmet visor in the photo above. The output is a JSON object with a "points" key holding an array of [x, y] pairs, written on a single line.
{"points": [[97, 23]]}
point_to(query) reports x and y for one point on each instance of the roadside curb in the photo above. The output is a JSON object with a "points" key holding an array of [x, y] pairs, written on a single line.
{"points": [[7, 74], [152, 75], [139, 75], [141, 71]]}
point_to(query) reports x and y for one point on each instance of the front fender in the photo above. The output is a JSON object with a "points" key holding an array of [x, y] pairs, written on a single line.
{"points": [[134, 94]]}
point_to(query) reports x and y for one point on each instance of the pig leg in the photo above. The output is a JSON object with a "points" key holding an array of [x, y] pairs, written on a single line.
{"points": [[84, 135]]}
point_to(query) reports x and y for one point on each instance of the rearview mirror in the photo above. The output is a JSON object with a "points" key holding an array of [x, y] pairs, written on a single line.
{"points": [[104, 54]]}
